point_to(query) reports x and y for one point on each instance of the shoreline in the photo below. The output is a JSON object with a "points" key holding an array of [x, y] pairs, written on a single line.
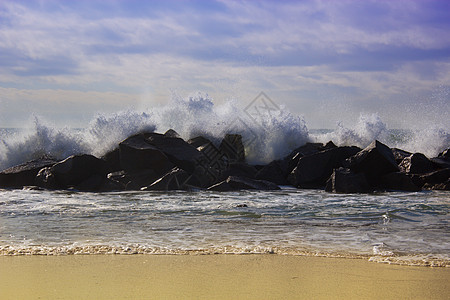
{"points": [[262, 276]]}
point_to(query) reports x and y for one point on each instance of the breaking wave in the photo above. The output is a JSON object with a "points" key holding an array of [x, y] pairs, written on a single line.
{"points": [[269, 135]]}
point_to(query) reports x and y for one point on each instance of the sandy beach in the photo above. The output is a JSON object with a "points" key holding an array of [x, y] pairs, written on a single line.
{"points": [[215, 277]]}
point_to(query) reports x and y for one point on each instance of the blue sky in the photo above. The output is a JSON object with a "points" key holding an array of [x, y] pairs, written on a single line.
{"points": [[325, 60]]}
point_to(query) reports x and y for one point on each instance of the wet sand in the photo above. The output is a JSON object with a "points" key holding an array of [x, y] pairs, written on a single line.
{"points": [[215, 277]]}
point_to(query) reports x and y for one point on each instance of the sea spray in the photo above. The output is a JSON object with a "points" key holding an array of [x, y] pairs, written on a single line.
{"points": [[368, 128], [272, 136]]}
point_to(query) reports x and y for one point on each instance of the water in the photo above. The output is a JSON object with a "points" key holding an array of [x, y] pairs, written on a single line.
{"points": [[403, 228], [408, 228]]}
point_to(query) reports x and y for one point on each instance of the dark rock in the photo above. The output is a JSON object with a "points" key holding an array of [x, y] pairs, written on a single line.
{"points": [[400, 154], [445, 154], [344, 181], [399, 182], [136, 154], [243, 183], [199, 141], [276, 171], [374, 161], [233, 148], [112, 159], [313, 171], [416, 163], [241, 205], [110, 185], [432, 179], [239, 169], [24, 174], [306, 149], [179, 152], [443, 160], [82, 172], [213, 165], [440, 163], [172, 133], [222, 186], [135, 180], [46, 179], [445, 186], [176, 179]]}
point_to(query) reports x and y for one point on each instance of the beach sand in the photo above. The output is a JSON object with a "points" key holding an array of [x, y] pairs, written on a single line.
{"points": [[215, 277]]}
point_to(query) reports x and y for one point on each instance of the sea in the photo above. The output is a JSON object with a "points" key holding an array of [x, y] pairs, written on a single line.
{"points": [[407, 228]]}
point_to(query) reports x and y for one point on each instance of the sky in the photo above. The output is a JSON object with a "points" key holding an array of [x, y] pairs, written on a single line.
{"points": [[328, 61]]}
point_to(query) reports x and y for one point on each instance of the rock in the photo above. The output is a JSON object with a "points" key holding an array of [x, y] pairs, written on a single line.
{"points": [[112, 159], [416, 163], [400, 154], [443, 160], [313, 171], [110, 185], [214, 164], [176, 179], [242, 183], [440, 162], [134, 181], [432, 179], [445, 186], [83, 172], [24, 174], [399, 182], [239, 169], [46, 179], [199, 141], [172, 133], [233, 148], [136, 155], [276, 171], [179, 152], [345, 181], [445, 154], [374, 161]]}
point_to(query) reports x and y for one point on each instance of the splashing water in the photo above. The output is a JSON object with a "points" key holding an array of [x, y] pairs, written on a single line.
{"points": [[195, 115]]}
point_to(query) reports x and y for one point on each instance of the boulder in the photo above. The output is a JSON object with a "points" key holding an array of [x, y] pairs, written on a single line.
{"points": [[345, 181], [172, 133], [176, 179], [444, 186], [445, 154], [136, 154], [313, 171], [400, 154], [233, 183], [135, 180], [84, 172], [112, 159], [199, 141], [239, 169], [24, 174], [416, 163], [443, 160], [178, 151], [233, 148], [374, 161], [276, 171], [399, 182], [432, 179]]}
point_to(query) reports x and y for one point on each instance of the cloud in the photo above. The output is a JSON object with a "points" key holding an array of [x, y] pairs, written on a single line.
{"points": [[303, 52]]}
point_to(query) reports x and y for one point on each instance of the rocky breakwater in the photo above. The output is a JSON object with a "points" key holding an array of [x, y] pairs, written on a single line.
{"points": [[152, 161]]}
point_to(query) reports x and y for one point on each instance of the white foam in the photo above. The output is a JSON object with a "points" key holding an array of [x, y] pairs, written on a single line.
{"points": [[271, 136]]}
